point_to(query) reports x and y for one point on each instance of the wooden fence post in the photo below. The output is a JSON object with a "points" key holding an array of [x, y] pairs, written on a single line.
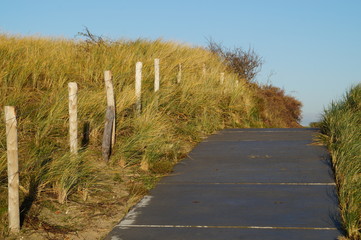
{"points": [[73, 117], [179, 75], [110, 100], [13, 169], [156, 75], [107, 135], [204, 69], [138, 87], [222, 78], [109, 127]]}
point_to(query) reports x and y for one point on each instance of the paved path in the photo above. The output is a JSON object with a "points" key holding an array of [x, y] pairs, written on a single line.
{"points": [[254, 184]]}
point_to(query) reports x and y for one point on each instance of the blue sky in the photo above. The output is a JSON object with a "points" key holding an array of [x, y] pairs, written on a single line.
{"points": [[312, 49]]}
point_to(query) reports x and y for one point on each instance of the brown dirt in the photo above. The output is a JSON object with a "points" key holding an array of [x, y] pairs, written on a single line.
{"points": [[78, 219]]}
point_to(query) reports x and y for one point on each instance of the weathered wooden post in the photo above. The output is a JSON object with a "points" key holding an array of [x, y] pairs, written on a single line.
{"points": [[73, 117], [138, 87], [13, 169], [110, 99], [107, 136], [109, 128], [156, 75], [222, 78], [179, 75], [204, 69]]}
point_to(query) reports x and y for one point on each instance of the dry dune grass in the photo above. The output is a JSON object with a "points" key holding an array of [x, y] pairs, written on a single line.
{"points": [[34, 73]]}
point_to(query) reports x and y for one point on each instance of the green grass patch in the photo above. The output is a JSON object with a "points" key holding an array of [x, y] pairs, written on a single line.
{"points": [[341, 129]]}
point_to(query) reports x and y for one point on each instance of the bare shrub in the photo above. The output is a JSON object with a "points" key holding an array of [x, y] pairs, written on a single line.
{"points": [[246, 64]]}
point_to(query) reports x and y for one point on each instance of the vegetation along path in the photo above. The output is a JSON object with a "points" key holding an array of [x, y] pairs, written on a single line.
{"points": [[242, 184]]}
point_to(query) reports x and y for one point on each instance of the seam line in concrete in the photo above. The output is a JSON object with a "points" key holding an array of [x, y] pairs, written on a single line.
{"points": [[236, 227], [214, 183]]}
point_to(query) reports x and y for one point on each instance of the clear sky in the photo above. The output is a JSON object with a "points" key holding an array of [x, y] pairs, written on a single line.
{"points": [[311, 48]]}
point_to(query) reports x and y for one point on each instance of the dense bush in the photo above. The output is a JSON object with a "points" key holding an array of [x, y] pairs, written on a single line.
{"points": [[277, 105]]}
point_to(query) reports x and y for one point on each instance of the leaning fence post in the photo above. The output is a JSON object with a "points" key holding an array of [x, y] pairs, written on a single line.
{"points": [[107, 136], [179, 75], [73, 117], [138, 86], [156, 75], [110, 99], [13, 169], [109, 127]]}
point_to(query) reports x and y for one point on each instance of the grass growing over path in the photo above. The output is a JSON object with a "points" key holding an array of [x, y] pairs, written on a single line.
{"points": [[64, 195], [341, 126]]}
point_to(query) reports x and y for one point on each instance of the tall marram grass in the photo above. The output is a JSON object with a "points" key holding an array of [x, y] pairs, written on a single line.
{"points": [[341, 128], [34, 73]]}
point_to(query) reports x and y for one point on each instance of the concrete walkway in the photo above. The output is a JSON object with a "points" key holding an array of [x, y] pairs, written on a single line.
{"points": [[254, 184]]}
